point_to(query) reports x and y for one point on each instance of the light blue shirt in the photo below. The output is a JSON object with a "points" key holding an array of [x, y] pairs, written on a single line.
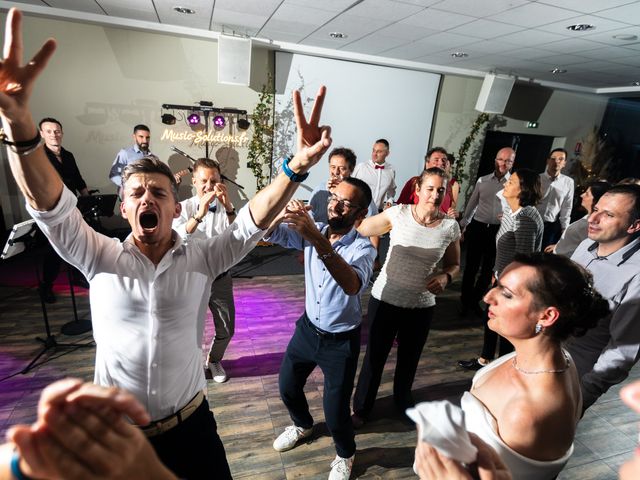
{"points": [[124, 158], [327, 305], [319, 201]]}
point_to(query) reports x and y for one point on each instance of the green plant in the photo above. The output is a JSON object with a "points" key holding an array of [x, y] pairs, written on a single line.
{"points": [[261, 145], [459, 172]]}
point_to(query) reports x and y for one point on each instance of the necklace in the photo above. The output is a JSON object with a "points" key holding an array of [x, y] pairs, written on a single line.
{"points": [[536, 372], [423, 221]]}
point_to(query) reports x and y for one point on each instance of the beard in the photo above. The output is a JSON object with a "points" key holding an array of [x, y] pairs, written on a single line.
{"points": [[341, 222]]}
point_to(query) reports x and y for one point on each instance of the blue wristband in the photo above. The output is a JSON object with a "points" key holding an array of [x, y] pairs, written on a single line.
{"points": [[15, 467], [294, 177]]}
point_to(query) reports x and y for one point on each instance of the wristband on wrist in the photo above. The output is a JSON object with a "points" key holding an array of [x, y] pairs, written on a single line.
{"points": [[15, 467], [23, 148], [197, 220], [294, 177], [231, 212]]}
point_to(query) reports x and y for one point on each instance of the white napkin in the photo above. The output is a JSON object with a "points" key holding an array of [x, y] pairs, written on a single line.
{"points": [[442, 425]]}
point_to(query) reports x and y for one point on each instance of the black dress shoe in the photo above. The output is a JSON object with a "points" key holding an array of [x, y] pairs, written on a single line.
{"points": [[472, 364]]}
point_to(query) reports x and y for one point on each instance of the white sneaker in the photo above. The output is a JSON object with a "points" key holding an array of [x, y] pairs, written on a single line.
{"points": [[291, 435], [217, 372], [341, 468]]}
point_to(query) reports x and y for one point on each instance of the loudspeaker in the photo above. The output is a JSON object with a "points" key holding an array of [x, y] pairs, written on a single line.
{"points": [[234, 60], [494, 93]]}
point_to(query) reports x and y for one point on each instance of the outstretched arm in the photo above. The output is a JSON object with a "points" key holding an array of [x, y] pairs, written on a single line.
{"points": [[34, 174], [375, 226], [313, 140]]}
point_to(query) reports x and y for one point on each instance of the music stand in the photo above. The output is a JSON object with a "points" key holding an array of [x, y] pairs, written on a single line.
{"points": [[23, 237], [93, 207]]}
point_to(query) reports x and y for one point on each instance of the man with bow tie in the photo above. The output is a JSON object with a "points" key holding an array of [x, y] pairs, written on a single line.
{"points": [[378, 174]]}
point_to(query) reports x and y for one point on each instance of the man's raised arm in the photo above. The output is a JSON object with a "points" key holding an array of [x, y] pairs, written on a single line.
{"points": [[313, 141], [34, 174]]}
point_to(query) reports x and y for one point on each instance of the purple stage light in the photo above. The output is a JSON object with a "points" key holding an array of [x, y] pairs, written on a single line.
{"points": [[193, 119], [219, 122]]}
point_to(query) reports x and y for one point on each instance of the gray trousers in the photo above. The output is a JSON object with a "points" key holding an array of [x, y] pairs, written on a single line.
{"points": [[224, 316]]}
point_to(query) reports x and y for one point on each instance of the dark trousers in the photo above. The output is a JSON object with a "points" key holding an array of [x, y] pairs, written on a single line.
{"points": [[491, 340], [193, 449], [338, 360], [411, 326], [551, 234], [50, 266], [480, 241]]}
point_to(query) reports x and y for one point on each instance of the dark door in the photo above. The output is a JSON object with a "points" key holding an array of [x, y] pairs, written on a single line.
{"points": [[531, 150]]}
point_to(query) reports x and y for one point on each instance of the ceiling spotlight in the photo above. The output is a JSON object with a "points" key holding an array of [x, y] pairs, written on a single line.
{"points": [[338, 35], [193, 119], [185, 10], [635, 84], [168, 119], [557, 71], [243, 124], [581, 27], [459, 55], [626, 37], [219, 122]]}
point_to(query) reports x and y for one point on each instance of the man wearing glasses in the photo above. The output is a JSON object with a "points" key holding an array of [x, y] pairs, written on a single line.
{"points": [[338, 265]]}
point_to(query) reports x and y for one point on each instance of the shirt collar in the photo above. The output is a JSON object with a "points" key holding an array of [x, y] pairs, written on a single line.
{"points": [[504, 178], [373, 164], [619, 256]]}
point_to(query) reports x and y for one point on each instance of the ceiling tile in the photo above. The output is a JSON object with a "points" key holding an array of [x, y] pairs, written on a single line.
{"points": [[562, 60], [586, 6], [409, 32], [626, 13], [353, 26], [385, 10], [608, 53], [330, 5], [479, 9], [88, 7], [433, 18], [600, 24], [530, 38], [142, 10], [572, 45], [485, 29], [374, 44], [533, 15]]}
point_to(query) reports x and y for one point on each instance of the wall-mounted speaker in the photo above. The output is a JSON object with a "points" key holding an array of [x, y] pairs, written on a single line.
{"points": [[494, 93], [234, 60]]}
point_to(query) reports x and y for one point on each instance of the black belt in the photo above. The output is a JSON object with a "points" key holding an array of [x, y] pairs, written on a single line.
{"points": [[167, 423], [486, 225], [330, 335]]}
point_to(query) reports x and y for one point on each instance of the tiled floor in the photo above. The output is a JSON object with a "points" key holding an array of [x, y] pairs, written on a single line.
{"points": [[248, 409]]}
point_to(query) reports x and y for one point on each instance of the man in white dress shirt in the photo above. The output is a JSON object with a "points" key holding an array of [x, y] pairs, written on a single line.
{"points": [[479, 225], [146, 292], [557, 197], [378, 174], [209, 212]]}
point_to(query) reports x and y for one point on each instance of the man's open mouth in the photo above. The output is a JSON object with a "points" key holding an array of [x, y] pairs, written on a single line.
{"points": [[148, 220]]}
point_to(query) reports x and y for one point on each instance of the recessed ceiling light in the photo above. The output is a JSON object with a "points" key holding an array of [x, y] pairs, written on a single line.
{"points": [[626, 37], [581, 27], [185, 10], [459, 55], [635, 84], [557, 71], [338, 35]]}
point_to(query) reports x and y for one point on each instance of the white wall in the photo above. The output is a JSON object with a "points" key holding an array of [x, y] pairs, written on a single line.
{"points": [[102, 81]]}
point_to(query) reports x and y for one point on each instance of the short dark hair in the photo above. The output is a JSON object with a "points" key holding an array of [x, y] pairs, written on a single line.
{"points": [[598, 188], [451, 158], [203, 162], [628, 180], [559, 149], [365, 191], [141, 126], [567, 286], [530, 187], [633, 191], [348, 154], [49, 120], [150, 164], [433, 171], [433, 150], [383, 141]]}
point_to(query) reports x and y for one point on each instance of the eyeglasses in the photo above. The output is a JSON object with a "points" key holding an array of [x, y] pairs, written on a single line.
{"points": [[342, 203]]}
